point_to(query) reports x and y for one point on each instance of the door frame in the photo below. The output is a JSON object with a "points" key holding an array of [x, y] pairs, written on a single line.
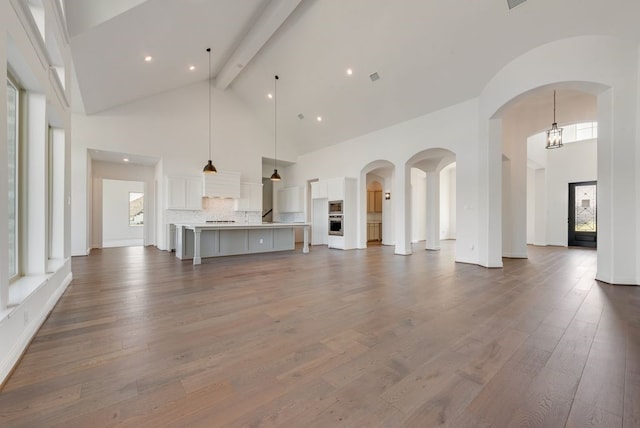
{"points": [[580, 239]]}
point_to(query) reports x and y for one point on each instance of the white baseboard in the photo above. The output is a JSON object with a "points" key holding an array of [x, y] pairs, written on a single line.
{"points": [[515, 255], [9, 359], [618, 280], [122, 243]]}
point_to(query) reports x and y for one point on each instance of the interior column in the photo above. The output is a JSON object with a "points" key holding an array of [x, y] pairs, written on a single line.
{"points": [[402, 204], [433, 211]]}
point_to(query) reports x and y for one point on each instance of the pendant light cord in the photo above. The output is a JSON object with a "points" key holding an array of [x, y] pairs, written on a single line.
{"points": [[210, 106], [275, 123], [554, 106]]}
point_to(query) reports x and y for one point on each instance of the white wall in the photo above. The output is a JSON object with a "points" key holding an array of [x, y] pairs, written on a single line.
{"points": [[171, 126], [448, 202], [608, 68], [418, 205], [453, 128], [25, 303], [115, 212], [530, 116], [572, 163]]}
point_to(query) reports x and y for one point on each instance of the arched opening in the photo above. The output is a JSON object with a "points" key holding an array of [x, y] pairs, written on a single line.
{"points": [[376, 204], [375, 196], [535, 181], [432, 197]]}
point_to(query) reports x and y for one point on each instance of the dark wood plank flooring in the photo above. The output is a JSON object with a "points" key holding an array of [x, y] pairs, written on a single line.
{"points": [[354, 339]]}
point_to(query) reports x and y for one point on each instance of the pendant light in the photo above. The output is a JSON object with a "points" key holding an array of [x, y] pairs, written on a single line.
{"points": [[275, 176], [554, 135], [209, 168]]}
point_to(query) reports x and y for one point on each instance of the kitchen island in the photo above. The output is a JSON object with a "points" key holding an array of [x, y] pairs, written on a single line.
{"points": [[198, 240]]}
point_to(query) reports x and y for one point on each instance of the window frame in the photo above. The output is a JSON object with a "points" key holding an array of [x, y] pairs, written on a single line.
{"points": [[136, 224], [17, 249]]}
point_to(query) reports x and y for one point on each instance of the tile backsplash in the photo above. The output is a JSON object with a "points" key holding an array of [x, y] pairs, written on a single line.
{"points": [[216, 209]]}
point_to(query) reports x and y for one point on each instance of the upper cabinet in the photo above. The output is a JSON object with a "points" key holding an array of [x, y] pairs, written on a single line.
{"points": [[319, 190], [335, 189], [224, 184], [291, 200], [184, 193], [374, 201], [250, 198]]}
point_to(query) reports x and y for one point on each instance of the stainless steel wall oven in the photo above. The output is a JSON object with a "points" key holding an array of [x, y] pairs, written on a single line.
{"points": [[335, 225]]}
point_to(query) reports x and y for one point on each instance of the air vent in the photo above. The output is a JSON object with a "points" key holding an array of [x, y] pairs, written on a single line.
{"points": [[514, 3], [374, 76], [300, 116]]}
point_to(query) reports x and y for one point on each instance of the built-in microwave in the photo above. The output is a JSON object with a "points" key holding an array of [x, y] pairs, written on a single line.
{"points": [[335, 207], [335, 225]]}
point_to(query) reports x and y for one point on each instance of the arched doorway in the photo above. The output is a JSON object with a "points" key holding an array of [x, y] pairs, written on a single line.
{"points": [[535, 180], [376, 220], [427, 190]]}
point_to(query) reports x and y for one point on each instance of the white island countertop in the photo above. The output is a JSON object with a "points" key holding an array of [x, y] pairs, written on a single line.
{"points": [[239, 225], [199, 228]]}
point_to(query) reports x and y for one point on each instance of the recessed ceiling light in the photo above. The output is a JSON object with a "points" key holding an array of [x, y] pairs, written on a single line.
{"points": [[192, 67], [269, 96], [148, 58], [126, 159], [349, 72], [319, 118]]}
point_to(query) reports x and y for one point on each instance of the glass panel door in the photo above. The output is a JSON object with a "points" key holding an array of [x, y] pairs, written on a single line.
{"points": [[583, 214]]}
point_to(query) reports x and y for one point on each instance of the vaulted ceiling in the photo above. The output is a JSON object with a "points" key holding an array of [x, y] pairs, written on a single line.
{"points": [[428, 54]]}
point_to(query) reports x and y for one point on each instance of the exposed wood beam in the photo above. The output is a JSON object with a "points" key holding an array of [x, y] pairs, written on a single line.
{"points": [[274, 15]]}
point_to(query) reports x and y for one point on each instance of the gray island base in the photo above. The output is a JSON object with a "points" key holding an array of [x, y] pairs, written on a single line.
{"points": [[197, 241]]}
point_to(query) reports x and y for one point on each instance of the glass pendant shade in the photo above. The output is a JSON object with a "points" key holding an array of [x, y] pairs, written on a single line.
{"points": [[275, 176], [554, 135]]}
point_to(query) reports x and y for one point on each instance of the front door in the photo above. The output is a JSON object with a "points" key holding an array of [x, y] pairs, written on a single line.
{"points": [[583, 214]]}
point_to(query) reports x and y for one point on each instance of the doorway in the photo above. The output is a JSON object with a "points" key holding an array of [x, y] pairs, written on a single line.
{"points": [[123, 221], [583, 214]]}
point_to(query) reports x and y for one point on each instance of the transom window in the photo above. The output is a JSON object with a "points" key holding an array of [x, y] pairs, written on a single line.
{"points": [[576, 132]]}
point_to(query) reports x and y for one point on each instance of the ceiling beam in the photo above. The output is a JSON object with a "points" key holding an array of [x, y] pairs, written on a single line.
{"points": [[274, 15]]}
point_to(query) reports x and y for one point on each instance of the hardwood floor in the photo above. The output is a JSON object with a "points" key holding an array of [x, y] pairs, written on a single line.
{"points": [[332, 338]]}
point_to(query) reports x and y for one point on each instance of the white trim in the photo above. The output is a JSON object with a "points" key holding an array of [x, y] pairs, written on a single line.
{"points": [[515, 255], [12, 357], [618, 281]]}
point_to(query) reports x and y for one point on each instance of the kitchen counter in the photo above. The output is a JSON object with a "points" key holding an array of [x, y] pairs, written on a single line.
{"points": [[198, 240]]}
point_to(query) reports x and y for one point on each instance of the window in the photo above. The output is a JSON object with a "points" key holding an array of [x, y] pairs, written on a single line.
{"points": [[586, 131], [13, 150], [136, 209], [575, 132]]}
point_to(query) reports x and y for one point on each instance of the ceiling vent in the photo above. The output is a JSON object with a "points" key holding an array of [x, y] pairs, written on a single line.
{"points": [[374, 76], [300, 116], [514, 3]]}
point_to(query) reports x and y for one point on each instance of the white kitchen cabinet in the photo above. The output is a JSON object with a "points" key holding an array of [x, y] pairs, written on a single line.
{"points": [[319, 190], [345, 190], [335, 189], [291, 200], [184, 193], [250, 198], [224, 184]]}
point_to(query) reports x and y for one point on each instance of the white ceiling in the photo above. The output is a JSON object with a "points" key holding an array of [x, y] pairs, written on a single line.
{"points": [[429, 54]]}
